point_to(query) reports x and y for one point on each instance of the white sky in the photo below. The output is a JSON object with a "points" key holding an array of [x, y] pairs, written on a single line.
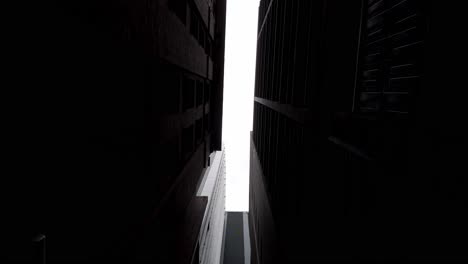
{"points": [[239, 76]]}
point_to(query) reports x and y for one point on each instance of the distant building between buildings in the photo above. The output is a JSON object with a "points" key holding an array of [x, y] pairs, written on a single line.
{"points": [[236, 243]]}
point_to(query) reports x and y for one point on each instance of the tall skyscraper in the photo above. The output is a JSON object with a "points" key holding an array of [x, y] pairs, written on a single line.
{"points": [[121, 106], [213, 187], [354, 152]]}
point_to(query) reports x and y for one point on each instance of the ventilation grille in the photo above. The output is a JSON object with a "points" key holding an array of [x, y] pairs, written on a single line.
{"points": [[391, 52]]}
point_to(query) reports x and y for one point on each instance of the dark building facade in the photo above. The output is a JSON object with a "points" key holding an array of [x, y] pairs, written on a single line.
{"points": [[356, 148], [119, 107], [236, 240]]}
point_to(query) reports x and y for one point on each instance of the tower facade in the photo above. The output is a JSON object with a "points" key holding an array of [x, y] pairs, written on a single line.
{"points": [[346, 132], [129, 112]]}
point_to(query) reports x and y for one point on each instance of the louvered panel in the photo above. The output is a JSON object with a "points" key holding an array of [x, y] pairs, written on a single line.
{"points": [[390, 55]]}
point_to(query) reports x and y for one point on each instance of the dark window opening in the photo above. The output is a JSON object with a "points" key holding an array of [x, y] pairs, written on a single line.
{"points": [[207, 92], [193, 24], [199, 31], [187, 141], [209, 46], [198, 130], [170, 88], [201, 37], [188, 96], [390, 56], [206, 122], [199, 91]]}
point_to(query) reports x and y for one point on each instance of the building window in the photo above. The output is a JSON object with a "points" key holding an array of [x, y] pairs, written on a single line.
{"points": [[208, 46], [390, 56], [207, 92], [201, 37], [170, 88], [199, 31], [194, 24], [206, 122], [187, 141], [199, 91], [198, 130], [188, 93]]}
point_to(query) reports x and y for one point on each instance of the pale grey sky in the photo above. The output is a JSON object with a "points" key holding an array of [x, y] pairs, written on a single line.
{"points": [[239, 76]]}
